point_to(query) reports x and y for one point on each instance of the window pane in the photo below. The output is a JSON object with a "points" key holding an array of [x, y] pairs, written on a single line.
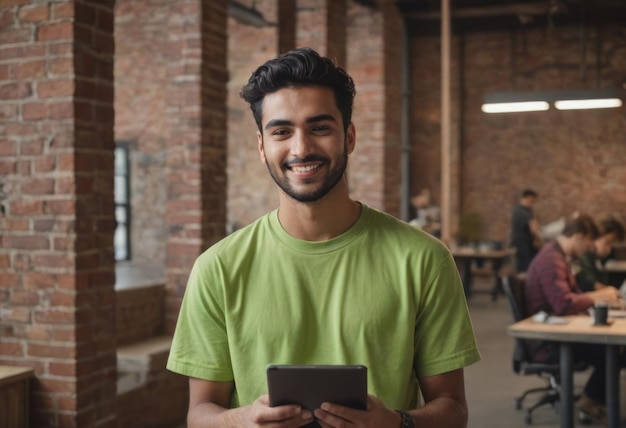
{"points": [[120, 190]]}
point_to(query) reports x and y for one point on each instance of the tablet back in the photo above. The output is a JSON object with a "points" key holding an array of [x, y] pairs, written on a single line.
{"points": [[312, 385]]}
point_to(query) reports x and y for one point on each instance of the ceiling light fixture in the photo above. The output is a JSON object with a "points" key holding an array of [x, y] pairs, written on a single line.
{"points": [[510, 102]]}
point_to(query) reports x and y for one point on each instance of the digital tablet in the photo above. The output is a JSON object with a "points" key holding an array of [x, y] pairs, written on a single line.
{"points": [[310, 386]]}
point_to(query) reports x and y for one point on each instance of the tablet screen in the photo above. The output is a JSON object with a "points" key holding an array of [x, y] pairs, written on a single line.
{"points": [[310, 386]]}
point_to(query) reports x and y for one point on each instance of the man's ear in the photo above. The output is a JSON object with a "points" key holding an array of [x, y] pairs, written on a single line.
{"points": [[350, 137], [259, 139]]}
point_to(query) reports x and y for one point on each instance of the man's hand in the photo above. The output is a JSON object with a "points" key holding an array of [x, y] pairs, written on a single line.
{"points": [[377, 415], [260, 414]]}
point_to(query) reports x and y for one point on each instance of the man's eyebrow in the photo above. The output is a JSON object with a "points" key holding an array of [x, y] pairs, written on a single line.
{"points": [[321, 118], [278, 122], [313, 119]]}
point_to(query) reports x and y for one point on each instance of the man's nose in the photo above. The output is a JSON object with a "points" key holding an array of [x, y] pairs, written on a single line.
{"points": [[301, 144]]}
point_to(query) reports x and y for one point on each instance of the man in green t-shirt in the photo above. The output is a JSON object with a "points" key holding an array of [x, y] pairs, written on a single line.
{"points": [[323, 279]]}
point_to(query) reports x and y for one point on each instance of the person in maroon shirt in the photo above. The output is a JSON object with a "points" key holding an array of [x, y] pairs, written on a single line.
{"points": [[551, 287]]}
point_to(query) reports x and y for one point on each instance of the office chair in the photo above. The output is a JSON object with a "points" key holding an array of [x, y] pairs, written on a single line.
{"points": [[513, 287]]}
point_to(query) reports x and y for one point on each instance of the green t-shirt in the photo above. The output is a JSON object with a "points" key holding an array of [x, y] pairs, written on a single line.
{"points": [[383, 294]]}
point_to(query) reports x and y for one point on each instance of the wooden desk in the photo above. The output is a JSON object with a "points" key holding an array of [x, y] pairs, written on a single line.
{"points": [[580, 330], [14, 396], [464, 257]]}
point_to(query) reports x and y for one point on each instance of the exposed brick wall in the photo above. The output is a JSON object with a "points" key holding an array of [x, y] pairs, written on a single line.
{"points": [[365, 63], [286, 25], [572, 158], [56, 254], [141, 59], [393, 52], [196, 145], [139, 314]]}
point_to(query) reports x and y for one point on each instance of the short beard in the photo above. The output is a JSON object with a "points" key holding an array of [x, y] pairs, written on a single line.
{"points": [[329, 182]]}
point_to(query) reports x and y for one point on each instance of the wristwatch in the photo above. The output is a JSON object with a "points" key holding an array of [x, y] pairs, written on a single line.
{"points": [[407, 420]]}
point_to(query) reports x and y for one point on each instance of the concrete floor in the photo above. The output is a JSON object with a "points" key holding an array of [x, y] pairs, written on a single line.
{"points": [[491, 384]]}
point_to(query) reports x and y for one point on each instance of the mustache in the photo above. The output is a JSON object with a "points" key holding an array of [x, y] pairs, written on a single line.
{"points": [[312, 158]]}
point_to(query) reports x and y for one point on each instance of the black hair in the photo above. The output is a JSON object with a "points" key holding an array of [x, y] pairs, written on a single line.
{"points": [[612, 226], [296, 68], [583, 224], [529, 192]]}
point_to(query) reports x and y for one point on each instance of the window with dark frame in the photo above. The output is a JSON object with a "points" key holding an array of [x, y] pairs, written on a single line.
{"points": [[122, 202]]}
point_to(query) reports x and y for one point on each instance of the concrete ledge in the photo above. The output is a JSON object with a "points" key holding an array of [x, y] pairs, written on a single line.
{"points": [[137, 362]]}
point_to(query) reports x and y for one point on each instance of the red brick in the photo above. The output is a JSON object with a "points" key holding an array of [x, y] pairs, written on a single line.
{"points": [[45, 164], [34, 13], [31, 148], [55, 88], [9, 280], [26, 242], [61, 207], [62, 110], [8, 112], [22, 51], [53, 385], [9, 3], [7, 18], [63, 298], [62, 369], [11, 348], [31, 70], [57, 31], [26, 207], [18, 224], [63, 10], [24, 298], [61, 49], [14, 36], [5, 261], [20, 129], [35, 111], [38, 186], [55, 316], [19, 314], [39, 332], [8, 148], [55, 261], [63, 244], [38, 281], [7, 167], [62, 66]]}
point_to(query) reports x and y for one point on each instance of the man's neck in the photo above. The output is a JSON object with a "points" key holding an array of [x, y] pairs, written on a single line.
{"points": [[567, 245], [321, 220]]}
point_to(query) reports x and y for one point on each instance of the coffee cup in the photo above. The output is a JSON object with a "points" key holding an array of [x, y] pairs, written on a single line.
{"points": [[600, 313]]}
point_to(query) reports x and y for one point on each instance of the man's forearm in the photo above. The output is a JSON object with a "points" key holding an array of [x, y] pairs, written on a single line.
{"points": [[440, 413], [211, 415]]}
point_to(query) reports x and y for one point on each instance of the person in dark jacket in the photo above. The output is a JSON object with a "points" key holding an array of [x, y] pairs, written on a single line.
{"points": [[525, 233]]}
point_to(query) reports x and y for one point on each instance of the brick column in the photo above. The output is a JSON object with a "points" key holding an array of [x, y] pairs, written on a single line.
{"points": [[286, 25], [321, 25], [196, 146], [57, 301], [374, 61]]}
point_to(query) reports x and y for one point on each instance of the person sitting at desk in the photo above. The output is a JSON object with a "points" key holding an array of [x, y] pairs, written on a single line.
{"points": [[590, 277], [552, 287], [427, 216]]}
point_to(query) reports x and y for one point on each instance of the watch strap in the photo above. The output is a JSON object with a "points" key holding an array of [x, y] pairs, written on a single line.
{"points": [[407, 420]]}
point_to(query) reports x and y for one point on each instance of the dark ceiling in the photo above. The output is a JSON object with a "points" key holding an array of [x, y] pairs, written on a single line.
{"points": [[499, 15]]}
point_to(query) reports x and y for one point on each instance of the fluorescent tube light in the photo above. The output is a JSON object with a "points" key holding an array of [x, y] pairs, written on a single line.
{"points": [[507, 102], [515, 107], [588, 104]]}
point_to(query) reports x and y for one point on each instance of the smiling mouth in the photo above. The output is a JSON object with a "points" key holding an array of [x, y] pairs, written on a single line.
{"points": [[305, 168]]}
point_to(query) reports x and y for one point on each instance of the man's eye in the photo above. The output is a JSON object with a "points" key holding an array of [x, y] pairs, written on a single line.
{"points": [[280, 132], [320, 128]]}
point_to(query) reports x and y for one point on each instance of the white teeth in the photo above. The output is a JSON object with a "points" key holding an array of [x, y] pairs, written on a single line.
{"points": [[304, 168]]}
